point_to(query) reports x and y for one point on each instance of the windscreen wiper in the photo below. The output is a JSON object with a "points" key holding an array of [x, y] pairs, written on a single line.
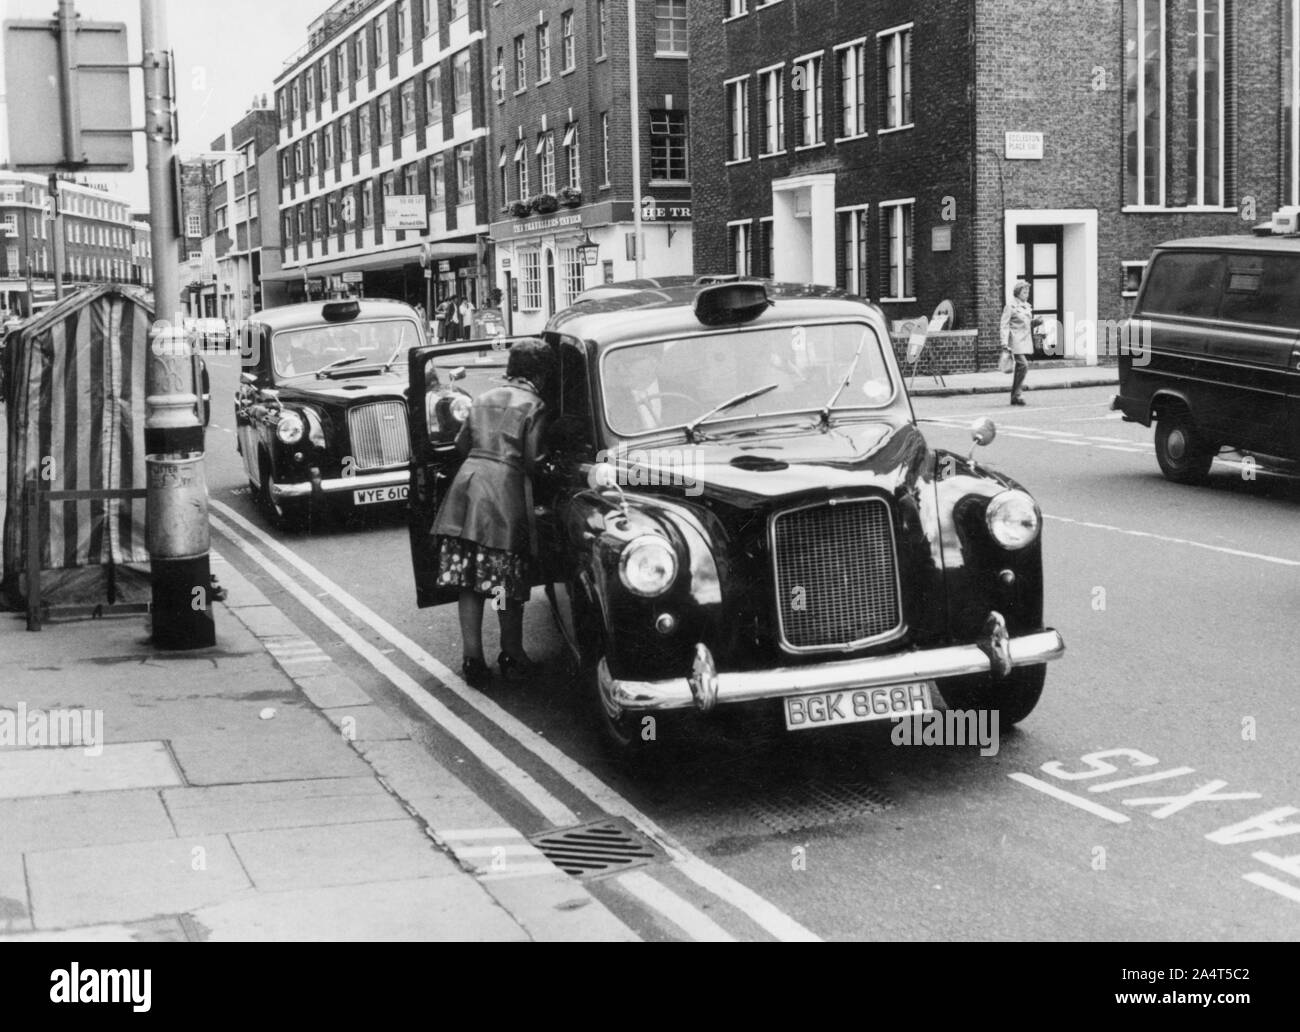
{"points": [[350, 360], [848, 378], [730, 403]]}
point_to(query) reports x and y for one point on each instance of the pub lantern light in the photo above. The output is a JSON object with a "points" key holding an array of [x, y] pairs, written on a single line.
{"points": [[588, 249]]}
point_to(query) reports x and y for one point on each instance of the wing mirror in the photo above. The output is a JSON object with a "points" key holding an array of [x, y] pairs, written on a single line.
{"points": [[456, 374], [270, 396], [982, 432], [603, 478], [248, 379]]}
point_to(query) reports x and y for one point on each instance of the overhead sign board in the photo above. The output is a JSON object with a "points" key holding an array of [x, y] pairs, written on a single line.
{"points": [[405, 211], [1024, 146], [35, 102]]}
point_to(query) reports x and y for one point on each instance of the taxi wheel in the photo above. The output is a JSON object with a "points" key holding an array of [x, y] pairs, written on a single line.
{"points": [[1014, 698], [1184, 457], [287, 516]]}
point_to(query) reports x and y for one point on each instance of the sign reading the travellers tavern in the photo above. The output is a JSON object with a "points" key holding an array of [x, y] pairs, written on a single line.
{"points": [[405, 211], [668, 211], [547, 222]]}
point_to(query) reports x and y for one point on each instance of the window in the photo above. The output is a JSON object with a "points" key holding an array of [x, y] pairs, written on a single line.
{"points": [[429, 12], [852, 61], [332, 212], [411, 179], [407, 106], [252, 206], [367, 204], [340, 67], [521, 171], [311, 154], [193, 225], [573, 274], [308, 90], [568, 51], [436, 180], [460, 81], [763, 250], [327, 146], [403, 24], [364, 141], [325, 90], [499, 76], [385, 104], [771, 84], [604, 147], [807, 86], [896, 78], [315, 220], [295, 104], [543, 52], [1131, 277], [896, 263], [735, 8], [521, 64], [465, 172], [602, 27], [573, 156], [359, 61], [853, 252], [530, 294], [503, 173], [300, 223], [381, 40], [433, 94], [1206, 86], [738, 233], [738, 118], [1291, 102], [345, 140], [459, 9], [546, 162], [387, 184], [668, 145], [670, 26]]}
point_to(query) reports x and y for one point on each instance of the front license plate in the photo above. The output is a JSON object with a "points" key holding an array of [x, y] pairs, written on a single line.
{"points": [[858, 705], [375, 495]]}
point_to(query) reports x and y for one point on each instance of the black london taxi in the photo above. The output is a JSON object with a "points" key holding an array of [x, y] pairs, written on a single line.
{"points": [[320, 411], [743, 511], [1217, 362]]}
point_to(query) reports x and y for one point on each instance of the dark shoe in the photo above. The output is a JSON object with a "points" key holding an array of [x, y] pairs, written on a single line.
{"points": [[475, 672], [516, 670], [1017, 401]]}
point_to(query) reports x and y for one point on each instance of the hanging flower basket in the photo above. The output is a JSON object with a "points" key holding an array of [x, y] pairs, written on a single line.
{"points": [[545, 204], [570, 196], [520, 209]]}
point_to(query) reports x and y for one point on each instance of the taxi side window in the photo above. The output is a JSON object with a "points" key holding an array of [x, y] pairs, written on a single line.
{"points": [[571, 428], [1185, 284]]}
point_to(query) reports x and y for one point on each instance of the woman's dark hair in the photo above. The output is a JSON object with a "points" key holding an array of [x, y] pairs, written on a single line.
{"points": [[532, 360]]}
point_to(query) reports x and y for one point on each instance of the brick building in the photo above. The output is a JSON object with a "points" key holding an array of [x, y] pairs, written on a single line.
{"points": [[246, 245], [384, 102], [562, 103], [197, 278], [916, 152], [98, 238]]}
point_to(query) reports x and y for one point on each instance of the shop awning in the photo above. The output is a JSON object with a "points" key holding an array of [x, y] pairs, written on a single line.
{"points": [[393, 259]]}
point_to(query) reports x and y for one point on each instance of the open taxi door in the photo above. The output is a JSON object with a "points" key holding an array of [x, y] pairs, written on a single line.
{"points": [[444, 379]]}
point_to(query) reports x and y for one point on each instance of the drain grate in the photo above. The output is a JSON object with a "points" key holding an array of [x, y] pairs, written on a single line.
{"points": [[601, 847], [813, 804]]}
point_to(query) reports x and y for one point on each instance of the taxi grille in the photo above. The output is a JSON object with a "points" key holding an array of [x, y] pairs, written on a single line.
{"points": [[836, 574], [379, 439]]}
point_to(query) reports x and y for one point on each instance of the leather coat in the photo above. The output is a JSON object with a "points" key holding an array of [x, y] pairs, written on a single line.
{"points": [[490, 500], [1017, 327]]}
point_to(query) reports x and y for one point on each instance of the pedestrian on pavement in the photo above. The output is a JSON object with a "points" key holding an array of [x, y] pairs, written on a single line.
{"points": [[484, 531], [465, 312], [446, 311], [1017, 331]]}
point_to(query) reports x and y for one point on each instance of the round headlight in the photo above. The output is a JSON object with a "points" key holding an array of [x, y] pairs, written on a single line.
{"points": [[290, 427], [1013, 519], [648, 566], [459, 408]]}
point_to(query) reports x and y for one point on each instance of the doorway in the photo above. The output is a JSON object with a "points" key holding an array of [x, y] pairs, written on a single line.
{"points": [[1039, 261]]}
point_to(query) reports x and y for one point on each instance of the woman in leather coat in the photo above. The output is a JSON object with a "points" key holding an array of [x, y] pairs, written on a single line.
{"points": [[486, 537]]}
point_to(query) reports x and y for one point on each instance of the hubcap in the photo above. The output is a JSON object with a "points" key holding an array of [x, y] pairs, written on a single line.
{"points": [[1176, 445]]}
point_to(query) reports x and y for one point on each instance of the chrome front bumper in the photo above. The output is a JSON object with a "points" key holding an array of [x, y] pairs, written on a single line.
{"points": [[304, 488], [706, 688]]}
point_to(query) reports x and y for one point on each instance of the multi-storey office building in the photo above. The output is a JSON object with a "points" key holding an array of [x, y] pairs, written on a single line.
{"points": [[564, 103], [916, 152], [142, 252], [97, 230], [246, 245], [382, 150]]}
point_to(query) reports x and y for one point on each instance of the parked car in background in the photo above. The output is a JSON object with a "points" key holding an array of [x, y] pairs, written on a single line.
{"points": [[209, 333], [744, 512], [320, 412], [1221, 367]]}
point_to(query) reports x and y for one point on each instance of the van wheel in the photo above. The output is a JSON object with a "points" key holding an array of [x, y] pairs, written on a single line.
{"points": [[1184, 456]]}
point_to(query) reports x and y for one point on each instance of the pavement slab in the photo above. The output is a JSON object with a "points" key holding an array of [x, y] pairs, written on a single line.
{"points": [[39, 823], [437, 909], [46, 772], [366, 724], [280, 804], [329, 691], [267, 750], [161, 929], [132, 881], [339, 854]]}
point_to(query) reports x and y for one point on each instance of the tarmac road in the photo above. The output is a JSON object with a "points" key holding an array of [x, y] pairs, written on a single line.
{"points": [[1119, 810]]}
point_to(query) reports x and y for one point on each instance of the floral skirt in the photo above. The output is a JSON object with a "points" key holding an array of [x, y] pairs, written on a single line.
{"points": [[486, 571]]}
